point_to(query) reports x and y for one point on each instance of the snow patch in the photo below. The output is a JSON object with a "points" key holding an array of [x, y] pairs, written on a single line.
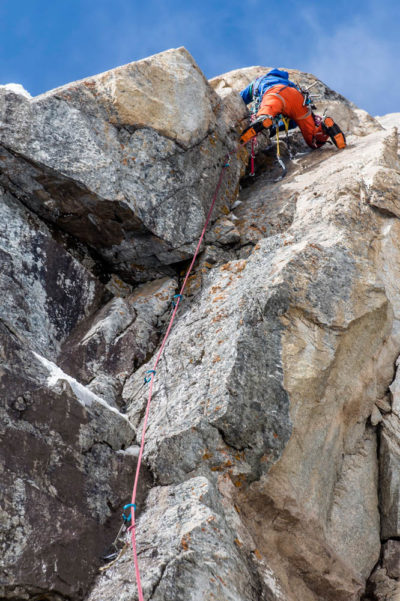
{"points": [[17, 89], [131, 451], [83, 394]]}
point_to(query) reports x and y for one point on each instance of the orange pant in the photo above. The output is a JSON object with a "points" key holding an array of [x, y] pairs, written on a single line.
{"points": [[289, 102]]}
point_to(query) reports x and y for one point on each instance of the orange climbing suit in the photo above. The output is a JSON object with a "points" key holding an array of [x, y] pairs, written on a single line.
{"points": [[288, 101]]}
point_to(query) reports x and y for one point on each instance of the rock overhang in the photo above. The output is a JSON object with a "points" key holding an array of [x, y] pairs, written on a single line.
{"points": [[126, 161]]}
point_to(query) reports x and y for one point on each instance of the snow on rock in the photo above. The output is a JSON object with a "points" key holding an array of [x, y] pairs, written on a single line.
{"points": [[17, 88]]}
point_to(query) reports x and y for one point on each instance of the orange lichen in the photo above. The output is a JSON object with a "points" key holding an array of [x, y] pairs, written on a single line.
{"points": [[219, 316], [214, 289], [238, 481], [185, 541]]}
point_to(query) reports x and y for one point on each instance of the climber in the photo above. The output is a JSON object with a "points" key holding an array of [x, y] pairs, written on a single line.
{"points": [[278, 95]]}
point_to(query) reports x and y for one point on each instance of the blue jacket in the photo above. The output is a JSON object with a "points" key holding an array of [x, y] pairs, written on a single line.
{"points": [[259, 86]]}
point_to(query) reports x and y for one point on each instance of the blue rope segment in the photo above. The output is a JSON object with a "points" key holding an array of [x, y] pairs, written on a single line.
{"points": [[177, 296], [127, 518], [147, 379]]}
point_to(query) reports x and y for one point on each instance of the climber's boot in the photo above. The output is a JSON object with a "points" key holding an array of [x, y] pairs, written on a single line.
{"points": [[263, 122], [331, 129]]}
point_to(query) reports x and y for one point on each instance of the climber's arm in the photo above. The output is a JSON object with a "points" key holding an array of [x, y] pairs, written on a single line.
{"points": [[247, 94]]}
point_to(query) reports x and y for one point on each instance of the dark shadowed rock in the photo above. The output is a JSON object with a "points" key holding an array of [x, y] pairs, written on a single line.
{"points": [[65, 477]]}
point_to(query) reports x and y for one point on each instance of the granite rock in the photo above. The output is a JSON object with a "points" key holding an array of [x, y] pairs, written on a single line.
{"points": [[266, 480], [126, 161], [45, 291], [275, 365], [107, 347]]}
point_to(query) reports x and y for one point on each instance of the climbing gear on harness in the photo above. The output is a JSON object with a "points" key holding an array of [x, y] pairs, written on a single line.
{"points": [[332, 129], [150, 380], [286, 123], [263, 122], [252, 157], [254, 110]]}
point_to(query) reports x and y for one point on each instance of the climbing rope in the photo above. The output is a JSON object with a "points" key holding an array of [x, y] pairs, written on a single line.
{"points": [[151, 374]]}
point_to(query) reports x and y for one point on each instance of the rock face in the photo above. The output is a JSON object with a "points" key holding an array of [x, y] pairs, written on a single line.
{"points": [[64, 477], [272, 450], [64, 469], [125, 161]]}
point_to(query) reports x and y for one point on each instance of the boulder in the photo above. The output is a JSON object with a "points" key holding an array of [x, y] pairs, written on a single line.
{"points": [[126, 161]]}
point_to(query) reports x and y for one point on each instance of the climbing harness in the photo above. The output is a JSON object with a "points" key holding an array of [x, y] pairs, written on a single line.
{"points": [[149, 379]]}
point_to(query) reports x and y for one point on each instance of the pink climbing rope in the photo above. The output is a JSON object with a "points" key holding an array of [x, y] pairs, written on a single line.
{"points": [[152, 374]]}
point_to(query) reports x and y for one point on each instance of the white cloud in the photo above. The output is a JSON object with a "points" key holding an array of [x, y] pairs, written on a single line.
{"points": [[359, 64]]}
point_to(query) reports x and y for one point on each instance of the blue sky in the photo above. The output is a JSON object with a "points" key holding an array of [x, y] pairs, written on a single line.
{"points": [[353, 46]]}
